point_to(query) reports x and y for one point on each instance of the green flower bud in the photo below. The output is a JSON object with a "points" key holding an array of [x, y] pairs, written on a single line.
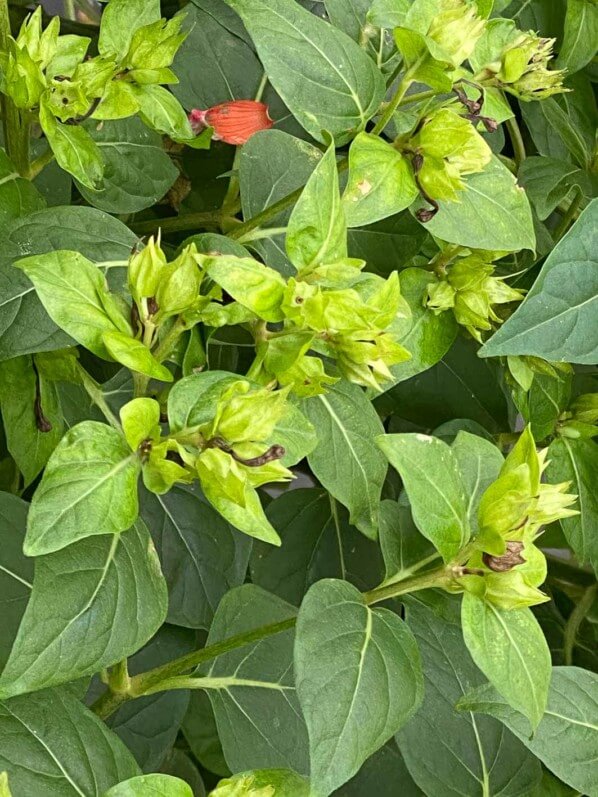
{"points": [[40, 46], [146, 270], [523, 68], [221, 477], [179, 283], [154, 46], [307, 377], [455, 29], [585, 408], [246, 415], [23, 79], [449, 148], [67, 100]]}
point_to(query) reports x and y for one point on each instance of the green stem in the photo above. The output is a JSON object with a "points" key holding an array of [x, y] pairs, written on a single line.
{"points": [[119, 680], [392, 106], [16, 128], [575, 620], [39, 164], [188, 221], [257, 235], [517, 141], [569, 216], [157, 680], [94, 391]]}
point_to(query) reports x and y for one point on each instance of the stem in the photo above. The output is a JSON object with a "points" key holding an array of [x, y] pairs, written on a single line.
{"points": [[39, 164], [16, 129], [94, 391], [392, 106], [257, 235], [569, 216], [575, 620], [517, 141], [157, 680], [188, 221], [119, 680], [70, 11]]}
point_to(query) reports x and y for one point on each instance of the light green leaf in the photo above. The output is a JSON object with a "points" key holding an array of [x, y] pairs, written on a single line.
{"points": [[249, 282], [317, 232], [263, 782], [274, 164], [426, 336], [23, 394], [16, 570], [346, 425], [161, 111], [259, 724], [388, 13], [544, 402], [566, 738], [317, 542], [75, 295], [138, 170], [435, 488], [479, 462], [576, 461], [202, 555], [324, 77], [89, 487], [372, 658], [74, 149], [192, 399], [510, 649], [24, 324], [93, 604], [151, 786], [381, 181], [551, 323], [492, 195], [51, 745], [121, 19], [448, 752], [134, 355]]}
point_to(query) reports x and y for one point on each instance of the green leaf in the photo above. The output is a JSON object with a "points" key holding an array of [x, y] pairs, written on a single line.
{"points": [[543, 404], [16, 570], [201, 734], [74, 293], [263, 781], [220, 79], [192, 399], [24, 324], [372, 658], [576, 461], [404, 548], [494, 196], [121, 19], [92, 604], [551, 323], [430, 472], [273, 164], [324, 77], [151, 786], [134, 355], [388, 244], [317, 232], [380, 775], [202, 555], [138, 170], [23, 393], [355, 19], [74, 149], [317, 542], [449, 752], [51, 745], [161, 111], [18, 197], [181, 765], [427, 336], [255, 286], [510, 649], [381, 181], [89, 487], [581, 33], [479, 462], [346, 424], [259, 725], [548, 182], [566, 738]]}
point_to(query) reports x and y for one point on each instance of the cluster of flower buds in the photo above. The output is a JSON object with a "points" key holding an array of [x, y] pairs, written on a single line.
{"points": [[470, 290], [507, 568], [521, 68], [446, 148], [454, 29]]}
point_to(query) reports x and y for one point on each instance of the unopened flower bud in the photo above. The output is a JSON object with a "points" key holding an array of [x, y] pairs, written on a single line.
{"points": [[233, 122]]}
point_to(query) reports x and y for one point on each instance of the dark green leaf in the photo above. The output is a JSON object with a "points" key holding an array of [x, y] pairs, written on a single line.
{"points": [[16, 570], [372, 658], [323, 76], [18, 197], [353, 473], [92, 604], [52, 746], [552, 323]]}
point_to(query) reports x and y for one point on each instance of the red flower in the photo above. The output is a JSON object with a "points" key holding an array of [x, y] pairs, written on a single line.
{"points": [[234, 122]]}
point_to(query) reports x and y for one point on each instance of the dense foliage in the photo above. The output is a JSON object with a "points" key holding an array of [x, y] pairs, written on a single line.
{"points": [[299, 397]]}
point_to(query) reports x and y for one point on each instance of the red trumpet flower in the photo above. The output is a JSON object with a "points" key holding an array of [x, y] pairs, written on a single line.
{"points": [[234, 122]]}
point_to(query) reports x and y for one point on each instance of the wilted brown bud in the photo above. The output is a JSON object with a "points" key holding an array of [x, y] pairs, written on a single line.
{"points": [[509, 560]]}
